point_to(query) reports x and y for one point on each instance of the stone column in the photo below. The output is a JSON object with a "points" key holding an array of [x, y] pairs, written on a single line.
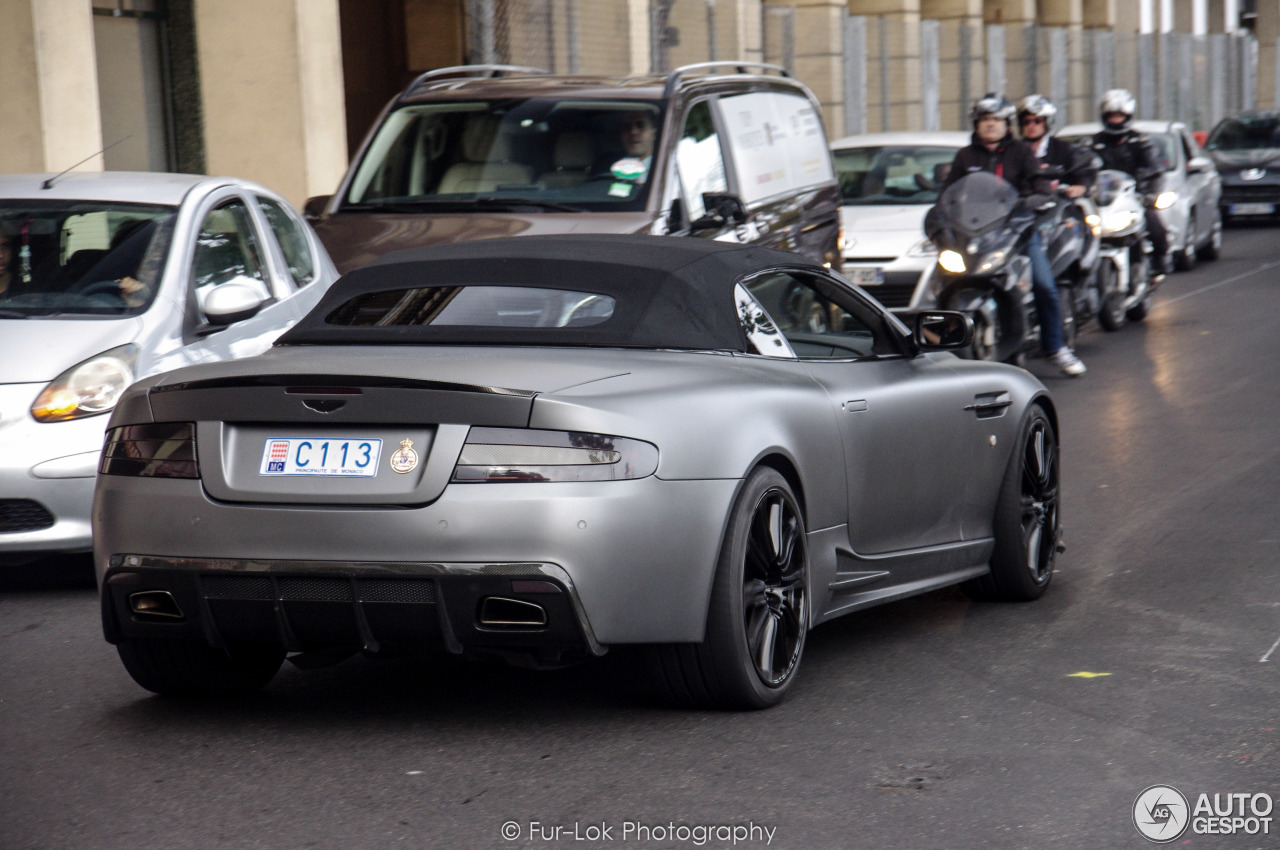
{"points": [[962, 57], [271, 84], [1021, 45], [1267, 31], [52, 120], [894, 98], [1068, 16]]}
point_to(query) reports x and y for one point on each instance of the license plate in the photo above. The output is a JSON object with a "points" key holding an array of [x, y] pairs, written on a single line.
{"points": [[320, 456], [1251, 209], [865, 277]]}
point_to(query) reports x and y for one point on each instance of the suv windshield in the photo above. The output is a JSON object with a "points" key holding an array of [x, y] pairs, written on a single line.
{"points": [[899, 174], [1246, 134], [81, 258], [520, 154]]}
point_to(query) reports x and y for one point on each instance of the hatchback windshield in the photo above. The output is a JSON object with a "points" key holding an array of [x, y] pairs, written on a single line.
{"points": [[512, 154], [898, 174], [1246, 134], [81, 258]]}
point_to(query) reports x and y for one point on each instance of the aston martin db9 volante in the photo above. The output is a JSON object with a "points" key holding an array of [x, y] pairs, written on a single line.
{"points": [[543, 447]]}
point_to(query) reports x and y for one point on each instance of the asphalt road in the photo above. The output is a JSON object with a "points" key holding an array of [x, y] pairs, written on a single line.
{"points": [[936, 722]]}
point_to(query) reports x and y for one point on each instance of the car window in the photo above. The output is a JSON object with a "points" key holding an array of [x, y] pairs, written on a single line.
{"points": [[1166, 154], [1246, 133], [897, 174], [227, 248], [532, 153], [293, 241], [89, 258], [476, 306], [819, 318], [699, 160]]}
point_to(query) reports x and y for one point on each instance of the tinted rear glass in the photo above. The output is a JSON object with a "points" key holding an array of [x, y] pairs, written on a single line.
{"points": [[475, 306], [1246, 134]]}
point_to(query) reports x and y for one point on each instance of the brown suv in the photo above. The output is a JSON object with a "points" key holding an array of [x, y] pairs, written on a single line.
{"points": [[729, 151]]}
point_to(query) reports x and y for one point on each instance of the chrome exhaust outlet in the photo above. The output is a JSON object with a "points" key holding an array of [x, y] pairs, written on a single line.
{"points": [[155, 603], [500, 612]]}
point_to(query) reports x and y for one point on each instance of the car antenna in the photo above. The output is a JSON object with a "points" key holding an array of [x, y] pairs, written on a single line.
{"points": [[48, 184]]}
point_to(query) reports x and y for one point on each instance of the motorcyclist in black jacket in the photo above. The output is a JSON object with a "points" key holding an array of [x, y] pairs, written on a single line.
{"points": [[1125, 149], [994, 149], [1036, 117]]}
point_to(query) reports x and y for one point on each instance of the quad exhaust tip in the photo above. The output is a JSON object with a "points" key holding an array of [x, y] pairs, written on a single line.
{"points": [[155, 603], [500, 612]]}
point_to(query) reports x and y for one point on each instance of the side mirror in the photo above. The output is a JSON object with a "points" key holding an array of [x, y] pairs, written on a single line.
{"points": [[1199, 165], [234, 301], [314, 207], [722, 208], [942, 329]]}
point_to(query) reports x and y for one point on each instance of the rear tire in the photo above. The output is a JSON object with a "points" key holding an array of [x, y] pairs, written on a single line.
{"points": [[759, 613], [1067, 304], [1139, 311], [1213, 248], [191, 668], [1026, 522]]}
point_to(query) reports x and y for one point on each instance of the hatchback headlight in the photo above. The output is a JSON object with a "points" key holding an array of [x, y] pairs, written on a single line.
{"points": [[923, 249], [523, 454], [1165, 200], [155, 450], [88, 388]]}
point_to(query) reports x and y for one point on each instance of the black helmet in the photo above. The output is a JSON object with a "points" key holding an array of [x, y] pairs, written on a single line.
{"points": [[991, 103], [1041, 107], [1117, 101]]}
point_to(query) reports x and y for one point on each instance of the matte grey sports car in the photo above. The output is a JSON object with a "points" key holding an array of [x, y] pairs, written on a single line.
{"points": [[541, 448]]}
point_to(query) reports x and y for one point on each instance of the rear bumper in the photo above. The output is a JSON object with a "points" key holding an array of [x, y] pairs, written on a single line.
{"points": [[633, 560]]}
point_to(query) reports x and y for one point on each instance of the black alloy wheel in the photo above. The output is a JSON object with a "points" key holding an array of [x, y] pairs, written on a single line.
{"points": [[758, 617], [1027, 521]]}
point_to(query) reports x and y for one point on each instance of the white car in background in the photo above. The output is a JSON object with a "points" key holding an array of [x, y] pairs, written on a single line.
{"points": [[888, 182], [110, 277]]}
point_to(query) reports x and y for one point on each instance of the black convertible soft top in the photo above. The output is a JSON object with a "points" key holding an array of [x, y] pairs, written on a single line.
{"points": [[670, 292]]}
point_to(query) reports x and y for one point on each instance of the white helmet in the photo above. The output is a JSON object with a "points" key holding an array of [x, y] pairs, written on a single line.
{"points": [[992, 103], [1121, 101], [1039, 106]]}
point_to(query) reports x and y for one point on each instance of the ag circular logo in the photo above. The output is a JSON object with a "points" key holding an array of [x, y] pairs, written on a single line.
{"points": [[1161, 814]]}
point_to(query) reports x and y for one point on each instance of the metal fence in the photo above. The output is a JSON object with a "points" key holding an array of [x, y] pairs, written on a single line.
{"points": [[892, 73]]}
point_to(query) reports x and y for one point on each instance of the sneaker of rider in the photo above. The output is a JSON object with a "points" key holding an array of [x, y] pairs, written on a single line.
{"points": [[1065, 359]]}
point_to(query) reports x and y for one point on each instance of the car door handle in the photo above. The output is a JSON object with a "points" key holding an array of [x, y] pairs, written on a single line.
{"points": [[986, 405]]}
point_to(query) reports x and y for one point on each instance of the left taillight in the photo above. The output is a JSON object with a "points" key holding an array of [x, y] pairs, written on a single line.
{"points": [[157, 450], [522, 454]]}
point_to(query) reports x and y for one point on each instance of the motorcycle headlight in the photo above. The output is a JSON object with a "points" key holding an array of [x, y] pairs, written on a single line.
{"points": [[1165, 200], [1095, 223], [1118, 221], [88, 388], [951, 261], [923, 249]]}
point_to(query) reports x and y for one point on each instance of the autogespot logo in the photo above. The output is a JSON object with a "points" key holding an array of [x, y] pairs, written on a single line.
{"points": [[1160, 813]]}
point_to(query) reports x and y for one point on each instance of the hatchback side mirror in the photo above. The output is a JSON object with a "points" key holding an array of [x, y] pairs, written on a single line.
{"points": [[234, 301], [942, 329], [1199, 165]]}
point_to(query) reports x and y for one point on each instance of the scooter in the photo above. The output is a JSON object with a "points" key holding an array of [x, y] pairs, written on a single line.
{"points": [[1072, 246], [981, 227], [1125, 282]]}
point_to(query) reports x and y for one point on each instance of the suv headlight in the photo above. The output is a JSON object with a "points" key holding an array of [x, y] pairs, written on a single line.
{"points": [[524, 454], [88, 388]]}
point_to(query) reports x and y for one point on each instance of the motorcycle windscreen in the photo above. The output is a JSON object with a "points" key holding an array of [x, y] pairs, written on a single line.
{"points": [[977, 202]]}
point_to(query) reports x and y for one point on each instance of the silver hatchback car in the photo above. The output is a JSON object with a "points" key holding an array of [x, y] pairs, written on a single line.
{"points": [[107, 278]]}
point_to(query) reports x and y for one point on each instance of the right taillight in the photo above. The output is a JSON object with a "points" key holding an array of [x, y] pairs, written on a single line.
{"points": [[526, 454], [157, 450]]}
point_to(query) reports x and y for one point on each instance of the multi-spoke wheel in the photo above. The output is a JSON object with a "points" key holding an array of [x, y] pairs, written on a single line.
{"points": [[1026, 521], [759, 611], [193, 668]]}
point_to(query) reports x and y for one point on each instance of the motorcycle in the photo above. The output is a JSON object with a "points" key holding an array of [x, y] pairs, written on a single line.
{"points": [[1125, 282], [1073, 247], [981, 227]]}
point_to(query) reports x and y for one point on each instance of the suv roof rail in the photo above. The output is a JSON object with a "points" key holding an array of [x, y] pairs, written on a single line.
{"points": [[465, 71], [708, 67]]}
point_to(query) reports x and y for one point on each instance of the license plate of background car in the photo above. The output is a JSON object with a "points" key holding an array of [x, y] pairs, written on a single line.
{"points": [[865, 277], [1251, 209], [320, 456]]}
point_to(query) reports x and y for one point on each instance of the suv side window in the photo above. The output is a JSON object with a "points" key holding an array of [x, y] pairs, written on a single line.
{"points": [[819, 319], [699, 160]]}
